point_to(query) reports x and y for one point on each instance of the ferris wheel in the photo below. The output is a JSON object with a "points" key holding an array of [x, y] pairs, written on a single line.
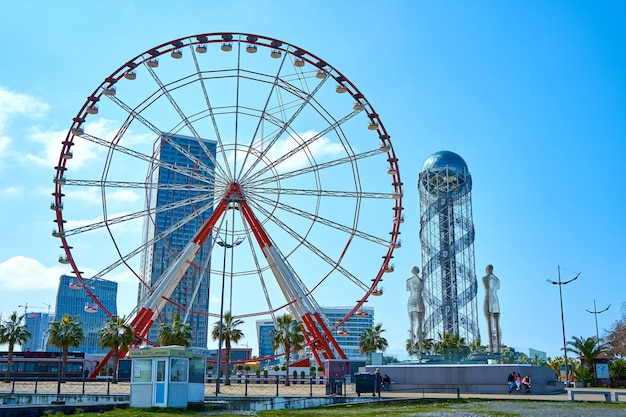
{"points": [[230, 171]]}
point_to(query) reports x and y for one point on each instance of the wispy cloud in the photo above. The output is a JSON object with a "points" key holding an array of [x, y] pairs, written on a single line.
{"points": [[24, 274], [11, 192], [12, 104]]}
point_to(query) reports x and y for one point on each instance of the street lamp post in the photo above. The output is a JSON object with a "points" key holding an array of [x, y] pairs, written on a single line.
{"points": [[560, 284], [225, 245], [595, 312]]}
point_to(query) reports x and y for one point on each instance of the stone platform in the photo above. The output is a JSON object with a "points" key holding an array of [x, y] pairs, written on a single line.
{"points": [[468, 378]]}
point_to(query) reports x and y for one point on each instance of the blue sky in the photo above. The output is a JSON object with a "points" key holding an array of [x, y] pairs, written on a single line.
{"points": [[531, 94]]}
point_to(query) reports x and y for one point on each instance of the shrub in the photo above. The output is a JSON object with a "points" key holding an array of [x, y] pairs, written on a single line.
{"points": [[583, 374], [617, 369]]}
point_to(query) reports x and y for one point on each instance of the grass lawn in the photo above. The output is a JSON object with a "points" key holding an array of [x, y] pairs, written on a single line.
{"points": [[461, 407]]}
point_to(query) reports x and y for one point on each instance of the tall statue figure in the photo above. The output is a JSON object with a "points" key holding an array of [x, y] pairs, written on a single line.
{"points": [[492, 309], [415, 306]]}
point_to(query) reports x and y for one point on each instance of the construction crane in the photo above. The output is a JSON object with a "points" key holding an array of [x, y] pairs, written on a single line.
{"points": [[25, 306]]}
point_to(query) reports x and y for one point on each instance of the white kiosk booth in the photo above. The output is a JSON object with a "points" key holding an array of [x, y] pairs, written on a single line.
{"points": [[168, 376]]}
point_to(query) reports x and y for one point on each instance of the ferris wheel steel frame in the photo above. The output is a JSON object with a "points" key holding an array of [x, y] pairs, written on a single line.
{"points": [[298, 298]]}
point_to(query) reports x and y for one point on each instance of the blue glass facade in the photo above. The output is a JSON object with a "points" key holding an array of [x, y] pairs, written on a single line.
{"points": [[351, 329], [177, 224], [37, 325], [347, 336], [73, 300], [264, 334]]}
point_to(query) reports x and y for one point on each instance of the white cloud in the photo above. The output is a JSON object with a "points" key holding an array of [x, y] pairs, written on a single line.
{"points": [[12, 192], [12, 104], [25, 274], [124, 197], [92, 196], [86, 154], [319, 149], [4, 144]]}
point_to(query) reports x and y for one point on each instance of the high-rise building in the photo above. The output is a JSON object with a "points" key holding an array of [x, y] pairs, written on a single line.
{"points": [[447, 241], [37, 325], [347, 336], [178, 217], [73, 300], [264, 334]]}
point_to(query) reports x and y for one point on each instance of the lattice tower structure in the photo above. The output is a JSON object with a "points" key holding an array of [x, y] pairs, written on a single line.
{"points": [[447, 247]]}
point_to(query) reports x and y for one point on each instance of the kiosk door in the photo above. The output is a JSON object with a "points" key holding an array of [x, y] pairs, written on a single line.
{"points": [[160, 382]]}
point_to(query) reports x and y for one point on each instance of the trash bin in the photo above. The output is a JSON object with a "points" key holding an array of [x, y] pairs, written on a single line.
{"points": [[334, 387], [365, 382]]}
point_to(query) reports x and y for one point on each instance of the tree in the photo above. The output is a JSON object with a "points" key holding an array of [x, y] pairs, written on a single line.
{"points": [[176, 333], [13, 332], [617, 369], [412, 347], [289, 336], [556, 364], [117, 336], [451, 345], [372, 340], [64, 334], [587, 349], [230, 334], [616, 338], [478, 348]]}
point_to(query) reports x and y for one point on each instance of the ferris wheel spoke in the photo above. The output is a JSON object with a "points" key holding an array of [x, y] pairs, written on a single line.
{"points": [[185, 120], [301, 145], [259, 270], [146, 158], [143, 213], [313, 248], [261, 119], [324, 221], [135, 115], [324, 193], [216, 129], [139, 185], [283, 127], [316, 168]]}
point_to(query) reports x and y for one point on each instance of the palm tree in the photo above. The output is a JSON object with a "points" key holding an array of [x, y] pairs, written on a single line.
{"points": [[372, 340], [478, 348], [412, 347], [230, 333], [176, 333], [65, 334], [587, 349], [451, 345], [13, 332], [289, 336], [117, 336]]}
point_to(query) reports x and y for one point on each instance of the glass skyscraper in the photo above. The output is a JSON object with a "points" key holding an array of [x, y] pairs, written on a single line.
{"points": [[178, 214], [347, 336], [37, 324], [73, 300]]}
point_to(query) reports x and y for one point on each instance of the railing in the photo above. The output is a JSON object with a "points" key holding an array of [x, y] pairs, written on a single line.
{"points": [[98, 387], [273, 386], [237, 387]]}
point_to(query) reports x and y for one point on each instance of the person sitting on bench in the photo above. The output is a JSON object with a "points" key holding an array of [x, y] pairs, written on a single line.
{"points": [[526, 383]]}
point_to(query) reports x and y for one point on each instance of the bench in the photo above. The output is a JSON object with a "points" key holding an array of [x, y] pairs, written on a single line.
{"points": [[571, 393], [618, 393]]}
